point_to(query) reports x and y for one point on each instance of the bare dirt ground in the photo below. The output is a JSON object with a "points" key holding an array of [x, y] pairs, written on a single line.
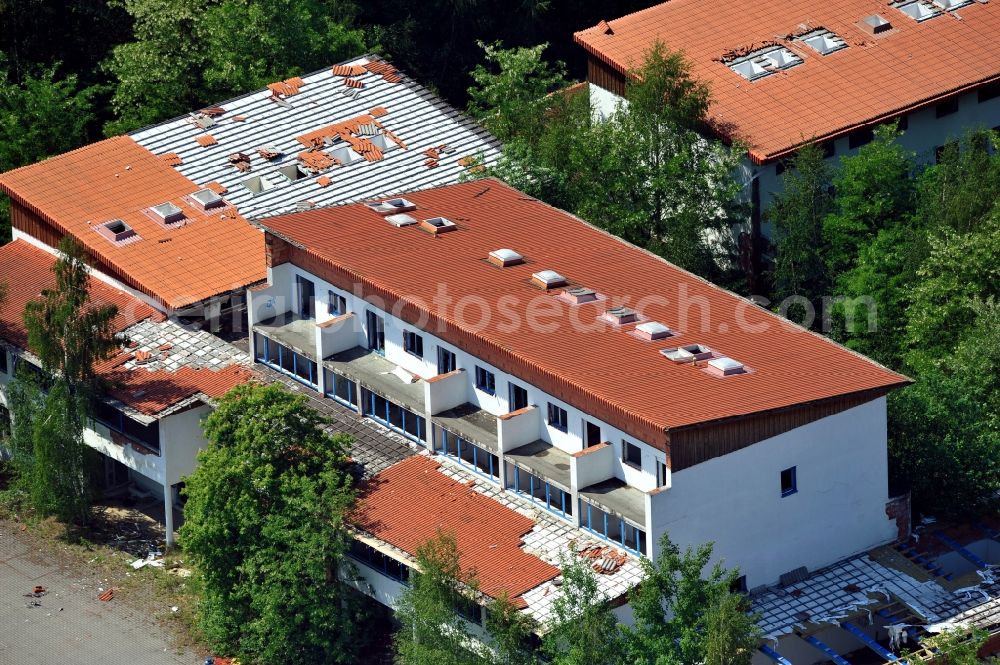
{"points": [[67, 624]]}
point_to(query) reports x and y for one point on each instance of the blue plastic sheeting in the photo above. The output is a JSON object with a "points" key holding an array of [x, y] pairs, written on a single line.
{"points": [[966, 554], [869, 642], [827, 649], [774, 655]]}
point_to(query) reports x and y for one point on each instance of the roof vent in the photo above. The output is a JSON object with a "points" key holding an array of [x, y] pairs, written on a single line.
{"points": [[652, 330], [116, 231], [390, 206], [293, 172], [764, 62], [206, 199], [548, 279], [578, 295], [823, 41], [726, 366], [688, 353], [438, 225], [258, 184], [875, 24], [401, 219], [167, 213], [949, 5], [505, 257], [621, 315], [920, 10]]}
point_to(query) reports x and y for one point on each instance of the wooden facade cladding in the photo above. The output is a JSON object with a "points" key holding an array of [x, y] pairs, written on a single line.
{"points": [[604, 75], [698, 444]]}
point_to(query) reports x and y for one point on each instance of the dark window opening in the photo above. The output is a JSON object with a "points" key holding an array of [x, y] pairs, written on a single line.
{"points": [[739, 585], [860, 137], [592, 434], [828, 148], [661, 474], [381, 563], [557, 417], [518, 397], [446, 361], [903, 123], [631, 454], [486, 381], [335, 304], [376, 332], [306, 293], [3, 361], [413, 343], [988, 92], [946, 108], [788, 483]]}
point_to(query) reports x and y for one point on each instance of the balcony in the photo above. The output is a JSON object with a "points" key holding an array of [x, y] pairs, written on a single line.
{"points": [[378, 375], [470, 423], [292, 331], [616, 512], [544, 461]]}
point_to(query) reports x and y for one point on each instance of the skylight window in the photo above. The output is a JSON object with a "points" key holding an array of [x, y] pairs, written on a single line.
{"points": [[292, 172], [621, 315], [258, 184], [579, 295], [401, 219], [117, 231], [689, 353], [438, 225], [823, 41], [344, 154], [167, 213], [392, 206], [764, 62], [920, 10], [548, 279], [505, 257], [949, 5], [206, 199], [726, 366], [652, 330]]}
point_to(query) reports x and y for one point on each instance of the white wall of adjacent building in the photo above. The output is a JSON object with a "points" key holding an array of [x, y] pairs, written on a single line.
{"points": [[838, 508]]}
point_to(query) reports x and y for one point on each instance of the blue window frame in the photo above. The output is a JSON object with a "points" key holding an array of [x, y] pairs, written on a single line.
{"points": [[147, 435], [340, 389], [381, 563], [286, 361], [539, 491], [469, 455], [486, 381], [517, 396], [335, 304], [397, 418], [557, 417], [612, 528], [446, 361], [413, 343], [789, 483]]}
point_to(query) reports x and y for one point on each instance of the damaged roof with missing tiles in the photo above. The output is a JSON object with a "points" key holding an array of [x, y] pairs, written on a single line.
{"points": [[204, 254], [876, 76], [373, 135], [512, 546], [166, 366], [571, 350]]}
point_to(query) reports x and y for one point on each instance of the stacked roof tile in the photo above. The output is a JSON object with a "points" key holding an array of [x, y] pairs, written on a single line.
{"points": [[596, 366], [877, 76]]}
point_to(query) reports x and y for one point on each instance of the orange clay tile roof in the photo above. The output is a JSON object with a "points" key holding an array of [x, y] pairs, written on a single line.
{"points": [[590, 365], [153, 392], [210, 254], [206, 140], [875, 78], [487, 533], [27, 271]]}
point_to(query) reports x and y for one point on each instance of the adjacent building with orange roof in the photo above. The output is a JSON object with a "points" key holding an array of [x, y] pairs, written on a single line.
{"points": [[786, 72], [160, 385], [579, 374]]}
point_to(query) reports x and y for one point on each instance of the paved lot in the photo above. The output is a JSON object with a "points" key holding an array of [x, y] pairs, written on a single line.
{"points": [[70, 626]]}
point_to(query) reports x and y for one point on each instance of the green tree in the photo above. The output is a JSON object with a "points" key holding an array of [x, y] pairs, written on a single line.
{"points": [[963, 188], [797, 214], [513, 101], [431, 629], [874, 189], [583, 629], [40, 116], [510, 633], [264, 525], [188, 53], [684, 618], [68, 332], [954, 647], [945, 429]]}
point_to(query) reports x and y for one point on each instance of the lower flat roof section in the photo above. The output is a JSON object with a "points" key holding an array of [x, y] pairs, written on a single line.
{"points": [[615, 497], [472, 424], [291, 330], [544, 460], [373, 372]]}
